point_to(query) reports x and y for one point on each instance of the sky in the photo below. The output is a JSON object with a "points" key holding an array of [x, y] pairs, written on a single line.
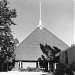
{"points": [[57, 17]]}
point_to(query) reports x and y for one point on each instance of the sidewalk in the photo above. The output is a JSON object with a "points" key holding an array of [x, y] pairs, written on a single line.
{"points": [[46, 73], [74, 73]]}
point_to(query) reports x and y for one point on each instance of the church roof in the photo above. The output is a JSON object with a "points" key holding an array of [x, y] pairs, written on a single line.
{"points": [[29, 48]]}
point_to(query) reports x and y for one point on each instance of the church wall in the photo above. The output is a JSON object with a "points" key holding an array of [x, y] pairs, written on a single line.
{"points": [[62, 57], [74, 57], [29, 48], [71, 57], [25, 65]]}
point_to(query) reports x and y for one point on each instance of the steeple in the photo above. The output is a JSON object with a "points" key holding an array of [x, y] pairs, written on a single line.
{"points": [[40, 19]]}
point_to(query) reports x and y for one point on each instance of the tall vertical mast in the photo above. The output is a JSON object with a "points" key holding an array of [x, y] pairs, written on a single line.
{"points": [[40, 21]]}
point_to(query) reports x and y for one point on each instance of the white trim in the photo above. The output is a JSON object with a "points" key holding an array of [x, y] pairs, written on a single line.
{"points": [[19, 64], [48, 66]]}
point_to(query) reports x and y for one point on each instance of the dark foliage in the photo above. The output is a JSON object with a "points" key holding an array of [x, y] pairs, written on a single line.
{"points": [[49, 51], [7, 41], [63, 69], [57, 50], [50, 55], [43, 49], [43, 63]]}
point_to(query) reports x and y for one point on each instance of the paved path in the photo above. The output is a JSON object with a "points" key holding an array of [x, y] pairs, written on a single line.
{"points": [[25, 73], [74, 73], [47, 73]]}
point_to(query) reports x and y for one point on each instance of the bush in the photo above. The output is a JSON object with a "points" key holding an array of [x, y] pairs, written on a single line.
{"points": [[63, 69]]}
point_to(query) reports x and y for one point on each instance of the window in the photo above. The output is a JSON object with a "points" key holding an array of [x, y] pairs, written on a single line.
{"points": [[29, 64]]}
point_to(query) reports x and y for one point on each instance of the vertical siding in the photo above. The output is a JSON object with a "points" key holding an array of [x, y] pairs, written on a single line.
{"points": [[74, 54], [62, 57], [74, 57], [71, 57]]}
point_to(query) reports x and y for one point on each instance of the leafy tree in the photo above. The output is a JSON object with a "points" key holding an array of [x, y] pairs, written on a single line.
{"points": [[43, 63], [50, 53], [57, 50], [7, 41]]}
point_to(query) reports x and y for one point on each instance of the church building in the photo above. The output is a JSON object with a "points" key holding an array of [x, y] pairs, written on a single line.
{"points": [[28, 51]]}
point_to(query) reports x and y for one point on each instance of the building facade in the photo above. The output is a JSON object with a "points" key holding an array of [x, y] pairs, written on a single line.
{"points": [[29, 49], [68, 57]]}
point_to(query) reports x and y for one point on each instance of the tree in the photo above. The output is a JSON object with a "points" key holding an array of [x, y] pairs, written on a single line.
{"points": [[43, 63], [7, 41], [50, 53], [57, 50]]}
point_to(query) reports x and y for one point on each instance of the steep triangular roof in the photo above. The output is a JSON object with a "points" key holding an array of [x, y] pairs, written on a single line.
{"points": [[29, 48]]}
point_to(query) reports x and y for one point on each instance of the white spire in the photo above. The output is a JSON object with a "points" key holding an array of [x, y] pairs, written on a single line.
{"points": [[40, 21]]}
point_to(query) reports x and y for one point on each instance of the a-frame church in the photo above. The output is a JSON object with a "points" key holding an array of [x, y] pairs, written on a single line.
{"points": [[29, 48]]}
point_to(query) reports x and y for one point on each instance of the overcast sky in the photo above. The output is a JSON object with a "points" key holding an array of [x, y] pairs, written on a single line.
{"points": [[57, 17]]}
